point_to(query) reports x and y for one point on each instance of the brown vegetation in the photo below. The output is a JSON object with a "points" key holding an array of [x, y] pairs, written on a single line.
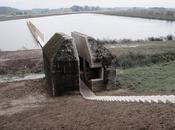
{"points": [[20, 62]]}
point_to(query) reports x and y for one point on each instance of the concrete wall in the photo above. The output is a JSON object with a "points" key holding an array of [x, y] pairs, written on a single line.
{"points": [[61, 64], [39, 36], [83, 49], [93, 72], [61, 61]]}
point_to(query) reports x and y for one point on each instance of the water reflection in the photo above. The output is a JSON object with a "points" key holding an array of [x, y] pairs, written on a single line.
{"points": [[15, 35]]}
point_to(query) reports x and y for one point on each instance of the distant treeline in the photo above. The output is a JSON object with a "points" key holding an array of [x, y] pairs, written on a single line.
{"points": [[152, 13], [167, 38], [6, 11]]}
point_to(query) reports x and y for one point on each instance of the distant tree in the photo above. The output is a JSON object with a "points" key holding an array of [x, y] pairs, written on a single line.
{"points": [[25, 12], [76, 8], [87, 8], [19, 13], [169, 37], [169, 13], [155, 39], [150, 13]]}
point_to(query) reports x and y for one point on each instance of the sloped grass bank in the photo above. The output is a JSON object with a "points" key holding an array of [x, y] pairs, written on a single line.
{"points": [[158, 77], [137, 59], [142, 54]]}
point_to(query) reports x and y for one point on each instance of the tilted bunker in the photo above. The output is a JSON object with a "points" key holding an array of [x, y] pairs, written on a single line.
{"points": [[61, 64], [94, 61], [67, 59]]}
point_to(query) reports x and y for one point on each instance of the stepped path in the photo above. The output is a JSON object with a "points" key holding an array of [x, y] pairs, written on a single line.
{"points": [[89, 95]]}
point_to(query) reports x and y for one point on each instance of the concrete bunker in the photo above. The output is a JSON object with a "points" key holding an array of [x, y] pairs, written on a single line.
{"points": [[94, 61], [69, 59], [61, 64]]}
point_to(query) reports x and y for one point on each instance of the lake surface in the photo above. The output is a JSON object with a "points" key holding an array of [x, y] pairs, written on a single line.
{"points": [[15, 35]]}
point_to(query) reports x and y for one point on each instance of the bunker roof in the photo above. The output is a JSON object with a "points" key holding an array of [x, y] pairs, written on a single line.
{"points": [[61, 47]]}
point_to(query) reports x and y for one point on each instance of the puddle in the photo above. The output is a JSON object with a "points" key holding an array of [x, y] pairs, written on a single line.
{"points": [[4, 60], [11, 78]]}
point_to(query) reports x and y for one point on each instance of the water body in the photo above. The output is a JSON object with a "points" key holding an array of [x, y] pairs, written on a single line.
{"points": [[15, 35]]}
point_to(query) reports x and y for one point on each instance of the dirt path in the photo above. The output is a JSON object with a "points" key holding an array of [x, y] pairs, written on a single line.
{"points": [[25, 105]]}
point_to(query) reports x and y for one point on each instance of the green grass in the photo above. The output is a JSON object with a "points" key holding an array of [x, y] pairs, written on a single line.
{"points": [[148, 66], [158, 77], [156, 13], [144, 53], [145, 48]]}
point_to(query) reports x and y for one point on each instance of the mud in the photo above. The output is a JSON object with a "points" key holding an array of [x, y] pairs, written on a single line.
{"points": [[25, 105]]}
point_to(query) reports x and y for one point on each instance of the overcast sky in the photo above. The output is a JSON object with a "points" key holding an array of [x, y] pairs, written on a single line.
{"points": [[29, 4]]}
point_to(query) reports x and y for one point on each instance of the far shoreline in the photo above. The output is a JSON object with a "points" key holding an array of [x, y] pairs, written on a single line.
{"points": [[84, 12], [142, 17], [38, 16]]}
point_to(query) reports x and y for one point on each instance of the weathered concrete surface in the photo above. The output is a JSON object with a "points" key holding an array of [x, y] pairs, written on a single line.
{"points": [[94, 61], [39, 36], [83, 47], [61, 64], [88, 48], [110, 77], [89, 95]]}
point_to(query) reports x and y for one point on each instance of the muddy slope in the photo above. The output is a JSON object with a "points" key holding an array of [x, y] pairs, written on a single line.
{"points": [[25, 105]]}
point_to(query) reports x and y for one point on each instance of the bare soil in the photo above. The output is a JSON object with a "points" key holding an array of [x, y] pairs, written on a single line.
{"points": [[25, 105]]}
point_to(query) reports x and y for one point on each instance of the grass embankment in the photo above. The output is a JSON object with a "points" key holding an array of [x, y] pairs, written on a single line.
{"points": [[150, 13], [141, 54], [158, 77], [147, 66]]}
